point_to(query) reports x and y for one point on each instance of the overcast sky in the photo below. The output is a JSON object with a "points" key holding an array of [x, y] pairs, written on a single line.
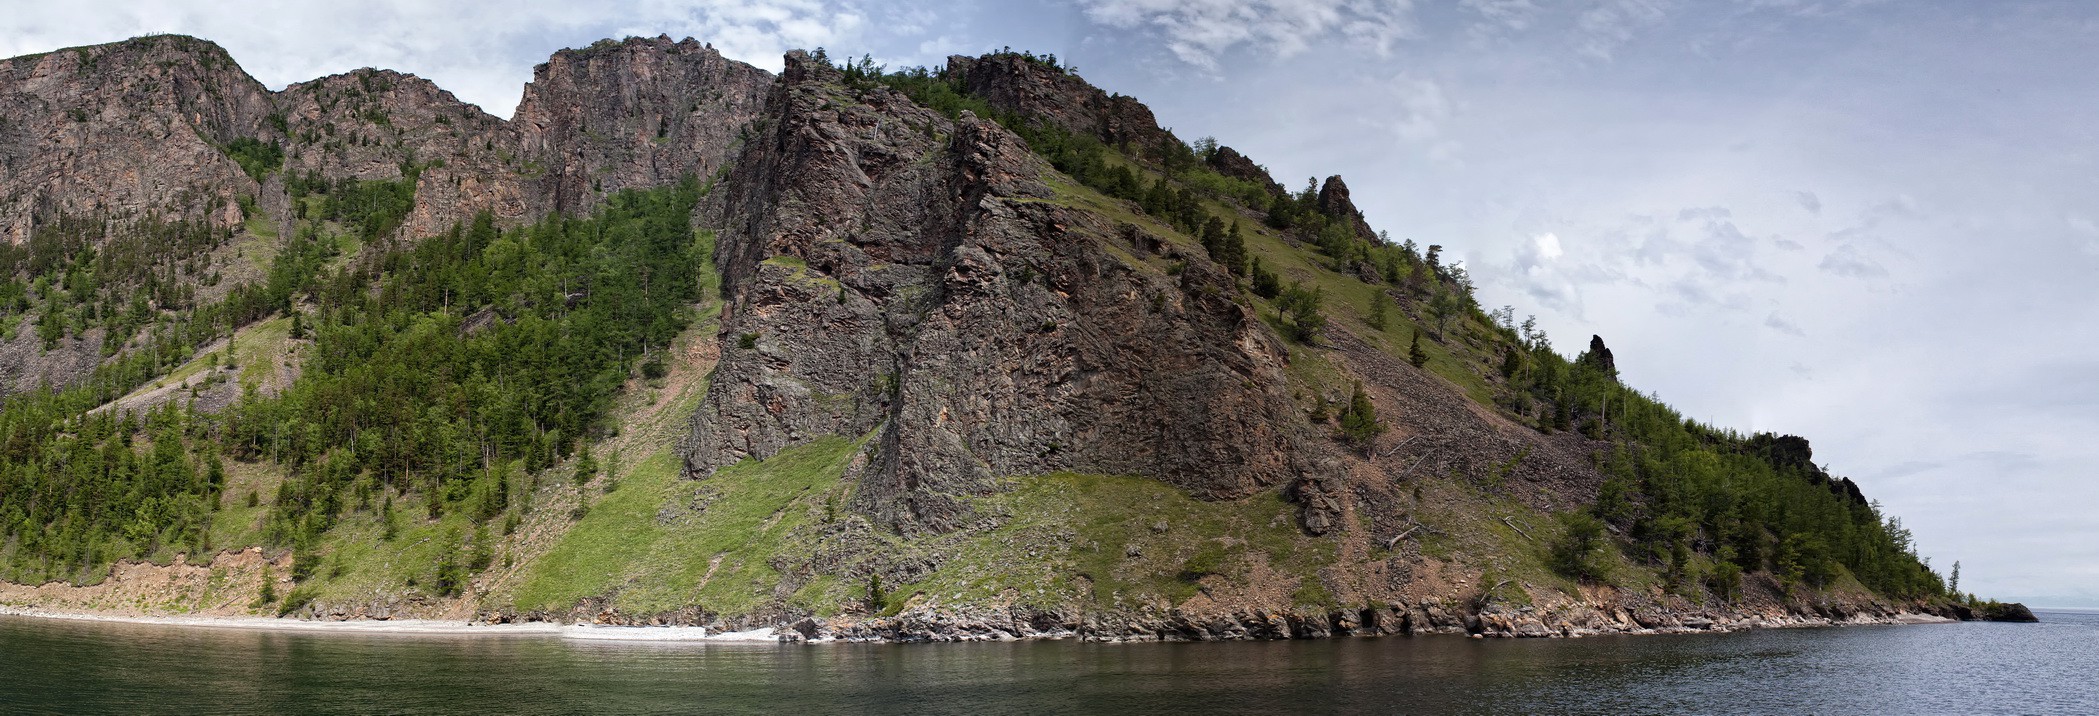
{"points": [[1868, 223]]}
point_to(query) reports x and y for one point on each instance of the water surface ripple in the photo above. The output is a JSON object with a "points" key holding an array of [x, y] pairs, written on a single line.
{"points": [[49, 666]]}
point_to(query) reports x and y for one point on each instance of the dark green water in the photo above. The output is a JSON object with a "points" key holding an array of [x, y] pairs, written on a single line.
{"points": [[74, 667]]}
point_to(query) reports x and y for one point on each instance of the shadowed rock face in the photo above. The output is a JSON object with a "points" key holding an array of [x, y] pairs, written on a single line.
{"points": [[632, 114], [898, 276], [123, 130]]}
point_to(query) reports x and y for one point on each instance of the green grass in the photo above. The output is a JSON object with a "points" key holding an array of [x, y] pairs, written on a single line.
{"points": [[261, 348], [236, 525], [1070, 537], [358, 562], [712, 553]]}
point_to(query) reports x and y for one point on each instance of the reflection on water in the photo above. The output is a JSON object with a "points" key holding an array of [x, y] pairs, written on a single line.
{"points": [[75, 667]]}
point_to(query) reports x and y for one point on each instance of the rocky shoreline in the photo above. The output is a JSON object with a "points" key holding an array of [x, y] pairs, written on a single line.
{"points": [[933, 625], [984, 624]]}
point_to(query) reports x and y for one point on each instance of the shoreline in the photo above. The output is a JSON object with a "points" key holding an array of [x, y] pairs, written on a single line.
{"points": [[415, 627], [789, 635]]}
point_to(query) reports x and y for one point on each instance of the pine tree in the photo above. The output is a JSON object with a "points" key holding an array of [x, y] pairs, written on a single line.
{"points": [[1415, 355], [1300, 308], [1359, 424], [586, 467], [298, 325], [1266, 284], [1235, 250], [1377, 312]]}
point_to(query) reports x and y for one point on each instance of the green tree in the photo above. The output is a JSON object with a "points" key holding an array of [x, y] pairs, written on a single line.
{"points": [[1359, 423], [1576, 554], [1302, 319], [586, 466], [1415, 355], [1377, 311], [1266, 283]]}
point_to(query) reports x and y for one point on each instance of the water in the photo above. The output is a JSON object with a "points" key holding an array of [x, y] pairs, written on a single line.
{"points": [[75, 667]]}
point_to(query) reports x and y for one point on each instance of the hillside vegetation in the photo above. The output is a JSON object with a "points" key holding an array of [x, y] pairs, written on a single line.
{"points": [[490, 416]]}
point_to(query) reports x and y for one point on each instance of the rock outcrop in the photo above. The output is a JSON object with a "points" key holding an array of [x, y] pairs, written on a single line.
{"points": [[379, 124], [1229, 162], [1336, 204], [632, 114], [894, 275], [124, 130], [1031, 88]]}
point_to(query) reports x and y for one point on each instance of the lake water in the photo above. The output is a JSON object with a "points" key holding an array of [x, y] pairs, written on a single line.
{"points": [[75, 667]]}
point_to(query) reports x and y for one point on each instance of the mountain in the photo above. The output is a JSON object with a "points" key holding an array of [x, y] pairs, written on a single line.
{"points": [[975, 352]]}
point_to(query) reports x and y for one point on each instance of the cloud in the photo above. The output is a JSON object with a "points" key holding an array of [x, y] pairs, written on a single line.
{"points": [[1511, 15], [1422, 112], [1609, 24], [1776, 323], [1198, 31], [1536, 268], [1848, 261], [1810, 202]]}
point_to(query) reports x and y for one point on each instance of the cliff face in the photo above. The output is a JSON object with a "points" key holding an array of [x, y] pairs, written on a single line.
{"points": [[377, 124], [123, 130], [893, 274], [632, 114]]}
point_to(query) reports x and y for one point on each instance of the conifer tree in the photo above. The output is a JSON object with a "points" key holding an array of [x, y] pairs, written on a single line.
{"points": [[1359, 424], [1415, 355]]}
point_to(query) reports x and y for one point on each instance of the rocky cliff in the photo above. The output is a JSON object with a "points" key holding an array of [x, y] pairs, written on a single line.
{"points": [[124, 130], [890, 272], [632, 114]]}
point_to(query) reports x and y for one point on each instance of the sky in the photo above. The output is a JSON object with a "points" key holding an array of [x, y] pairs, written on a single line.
{"points": [[1867, 222]]}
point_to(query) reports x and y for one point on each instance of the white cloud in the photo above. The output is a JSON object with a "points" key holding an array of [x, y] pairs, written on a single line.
{"points": [[1810, 202], [1848, 261], [1609, 24], [1198, 31], [1510, 15], [1780, 324]]}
